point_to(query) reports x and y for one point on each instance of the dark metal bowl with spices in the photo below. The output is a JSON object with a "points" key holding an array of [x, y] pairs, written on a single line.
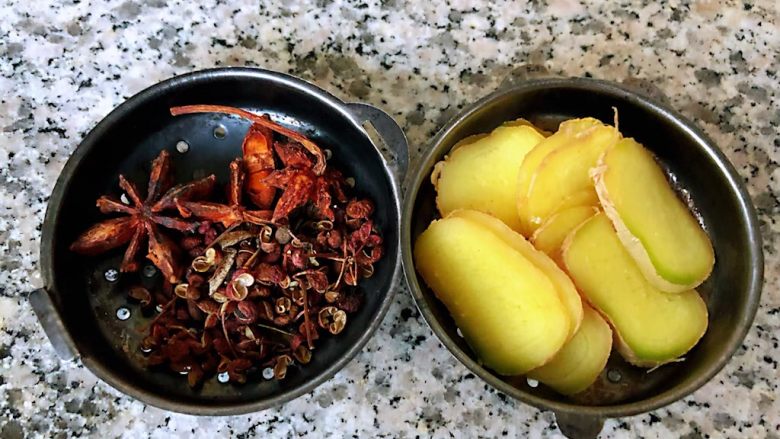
{"points": [[243, 247]]}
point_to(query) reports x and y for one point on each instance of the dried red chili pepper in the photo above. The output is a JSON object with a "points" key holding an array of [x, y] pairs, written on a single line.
{"points": [[228, 214], [259, 163], [302, 186], [315, 150], [360, 209]]}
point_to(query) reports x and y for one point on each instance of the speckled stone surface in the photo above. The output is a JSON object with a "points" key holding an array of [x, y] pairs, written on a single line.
{"points": [[65, 64]]}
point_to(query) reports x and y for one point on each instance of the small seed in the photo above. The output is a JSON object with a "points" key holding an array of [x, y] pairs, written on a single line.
{"points": [[201, 265], [367, 271], [324, 225], [325, 315], [282, 235], [223, 377], [266, 232], [283, 305], [204, 263], [532, 382], [614, 375], [332, 319], [245, 279], [280, 369], [339, 322], [237, 291], [302, 354], [181, 290], [298, 296], [123, 199], [268, 373]]}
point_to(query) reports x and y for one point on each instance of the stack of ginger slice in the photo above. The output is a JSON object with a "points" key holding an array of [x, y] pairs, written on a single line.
{"points": [[552, 246]]}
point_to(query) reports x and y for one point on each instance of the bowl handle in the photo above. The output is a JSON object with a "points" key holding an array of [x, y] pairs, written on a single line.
{"points": [[386, 135], [52, 324], [575, 426]]}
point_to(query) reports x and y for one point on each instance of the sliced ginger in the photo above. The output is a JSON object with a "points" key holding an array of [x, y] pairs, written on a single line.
{"points": [[563, 285], [580, 361], [652, 327], [506, 307], [656, 228], [550, 236], [564, 171], [585, 197], [636, 263], [534, 158], [481, 172]]}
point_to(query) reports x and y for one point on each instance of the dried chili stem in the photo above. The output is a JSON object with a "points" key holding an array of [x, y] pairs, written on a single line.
{"points": [[306, 318], [328, 257], [251, 261], [183, 329], [316, 151], [227, 338], [343, 266], [162, 312], [216, 240], [271, 328]]}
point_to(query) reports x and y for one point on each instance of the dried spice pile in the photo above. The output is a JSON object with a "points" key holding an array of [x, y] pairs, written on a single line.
{"points": [[250, 282]]}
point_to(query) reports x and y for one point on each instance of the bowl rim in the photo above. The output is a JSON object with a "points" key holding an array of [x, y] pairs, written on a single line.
{"points": [[433, 153], [209, 407]]}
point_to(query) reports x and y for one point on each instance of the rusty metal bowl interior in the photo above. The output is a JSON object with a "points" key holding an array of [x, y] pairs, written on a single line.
{"points": [[78, 305], [732, 292]]}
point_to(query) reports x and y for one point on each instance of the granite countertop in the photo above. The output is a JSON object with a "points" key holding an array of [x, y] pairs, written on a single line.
{"points": [[65, 64]]}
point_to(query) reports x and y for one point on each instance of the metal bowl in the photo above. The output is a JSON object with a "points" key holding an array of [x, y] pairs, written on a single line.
{"points": [[78, 305], [732, 292]]}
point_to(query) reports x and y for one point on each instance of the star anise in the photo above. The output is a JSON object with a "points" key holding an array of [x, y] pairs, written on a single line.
{"points": [[228, 214], [302, 185], [144, 216]]}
